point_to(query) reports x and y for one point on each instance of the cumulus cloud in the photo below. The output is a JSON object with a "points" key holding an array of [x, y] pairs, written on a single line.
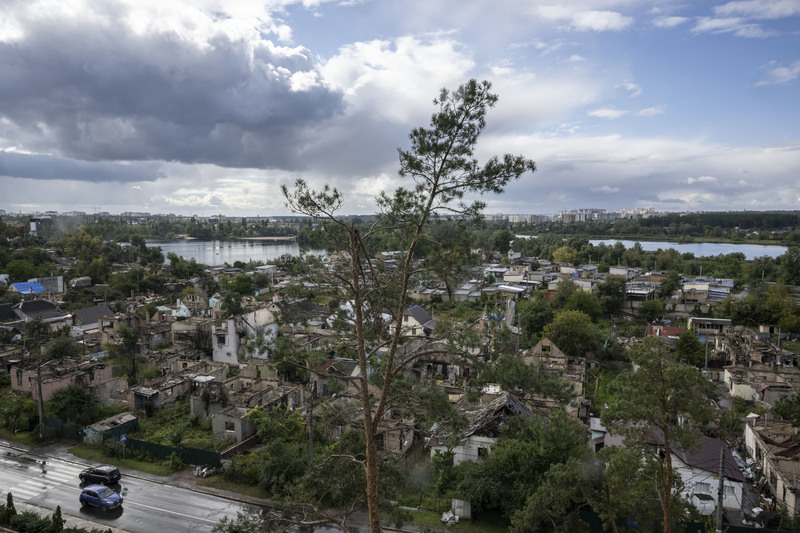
{"points": [[780, 75], [576, 17], [632, 88], [669, 22], [701, 179], [114, 82], [607, 112], [760, 9], [651, 111], [607, 189], [404, 71], [570, 167], [210, 106], [600, 21]]}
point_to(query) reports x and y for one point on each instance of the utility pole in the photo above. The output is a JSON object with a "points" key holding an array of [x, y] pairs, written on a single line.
{"points": [[41, 400], [721, 488]]}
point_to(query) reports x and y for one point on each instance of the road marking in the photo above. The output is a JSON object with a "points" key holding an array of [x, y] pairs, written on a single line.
{"points": [[128, 502], [21, 493]]}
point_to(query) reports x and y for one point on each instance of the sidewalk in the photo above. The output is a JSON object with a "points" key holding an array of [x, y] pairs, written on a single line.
{"points": [[70, 521]]}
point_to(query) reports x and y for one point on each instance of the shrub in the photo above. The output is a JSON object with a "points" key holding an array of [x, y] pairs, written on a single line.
{"points": [[175, 462], [56, 521], [7, 511], [29, 522]]}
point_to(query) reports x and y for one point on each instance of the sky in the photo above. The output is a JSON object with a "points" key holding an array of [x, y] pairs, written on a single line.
{"points": [[202, 107]]}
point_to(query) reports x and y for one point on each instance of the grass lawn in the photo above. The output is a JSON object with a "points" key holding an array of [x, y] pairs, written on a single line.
{"points": [[793, 346], [26, 438], [220, 483], [96, 455], [433, 521], [597, 385]]}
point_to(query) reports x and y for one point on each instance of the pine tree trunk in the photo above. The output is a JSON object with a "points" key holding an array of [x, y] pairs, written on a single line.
{"points": [[372, 479]]}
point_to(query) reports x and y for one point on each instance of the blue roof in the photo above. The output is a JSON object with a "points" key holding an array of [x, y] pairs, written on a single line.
{"points": [[29, 287]]}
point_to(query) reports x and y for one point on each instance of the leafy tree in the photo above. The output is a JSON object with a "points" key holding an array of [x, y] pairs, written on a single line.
{"points": [[555, 503], [283, 463], [564, 254], [231, 304], [532, 316], [670, 283], [251, 520], [501, 241], [566, 288], [129, 360], [443, 169], [62, 347], [649, 408], [242, 284], [75, 404], [519, 461], [584, 302], [789, 269], [652, 309], [611, 293], [278, 423], [21, 270], [689, 348], [573, 332], [513, 374], [450, 253], [14, 408], [36, 330], [788, 408]]}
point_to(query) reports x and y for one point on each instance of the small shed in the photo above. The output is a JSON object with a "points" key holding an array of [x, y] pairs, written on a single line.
{"points": [[113, 427]]}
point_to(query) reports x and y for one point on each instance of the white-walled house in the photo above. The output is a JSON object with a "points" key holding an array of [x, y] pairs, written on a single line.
{"points": [[228, 337], [700, 473]]}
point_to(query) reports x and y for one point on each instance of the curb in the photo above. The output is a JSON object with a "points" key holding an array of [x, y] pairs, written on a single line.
{"points": [[70, 521]]}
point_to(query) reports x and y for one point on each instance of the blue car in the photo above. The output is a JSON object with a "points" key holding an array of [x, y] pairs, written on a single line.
{"points": [[100, 496]]}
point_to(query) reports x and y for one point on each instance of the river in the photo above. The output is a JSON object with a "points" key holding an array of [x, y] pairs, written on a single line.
{"points": [[221, 252], [214, 253], [703, 249]]}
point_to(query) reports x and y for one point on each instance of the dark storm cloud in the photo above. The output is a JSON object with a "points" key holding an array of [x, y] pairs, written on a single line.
{"points": [[103, 92], [46, 167]]}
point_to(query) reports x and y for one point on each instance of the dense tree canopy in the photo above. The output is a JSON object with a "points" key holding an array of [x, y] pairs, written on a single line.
{"points": [[75, 404], [523, 455], [573, 332]]}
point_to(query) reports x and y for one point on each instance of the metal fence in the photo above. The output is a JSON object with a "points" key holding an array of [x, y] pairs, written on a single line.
{"points": [[190, 456], [62, 429]]}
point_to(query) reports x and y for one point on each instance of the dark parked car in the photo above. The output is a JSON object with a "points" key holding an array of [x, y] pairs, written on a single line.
{"points": [[100, 496], [105, 474]]}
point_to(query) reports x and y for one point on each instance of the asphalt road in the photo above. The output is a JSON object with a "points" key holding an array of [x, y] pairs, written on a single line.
{"points": [[48, 482], [45, 478]]}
